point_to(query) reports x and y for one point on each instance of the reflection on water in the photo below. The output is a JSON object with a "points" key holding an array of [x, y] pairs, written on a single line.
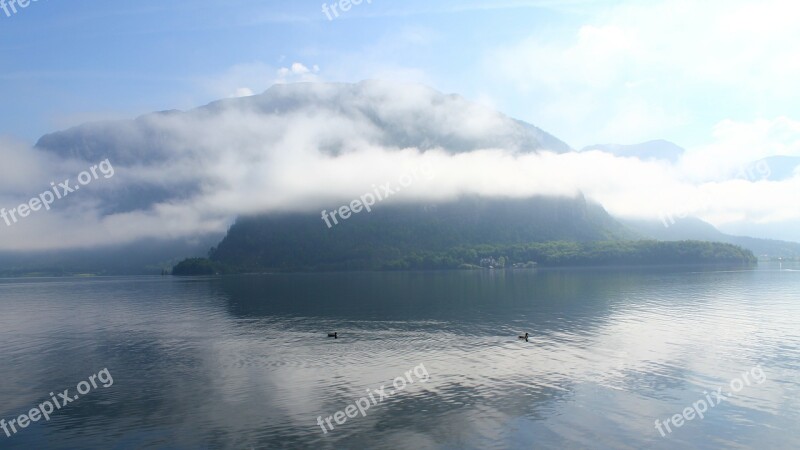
{"points": [[245, 362]]}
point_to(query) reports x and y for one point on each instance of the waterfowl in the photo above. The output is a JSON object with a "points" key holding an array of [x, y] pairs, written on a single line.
{"points": [[524, 337], [334, 335]]}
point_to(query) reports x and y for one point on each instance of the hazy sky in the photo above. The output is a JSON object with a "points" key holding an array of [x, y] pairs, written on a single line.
{"points": [[588, 72], [718, 78]]}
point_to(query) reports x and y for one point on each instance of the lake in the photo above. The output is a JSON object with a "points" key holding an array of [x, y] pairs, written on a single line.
{"points": [[245, 362]]}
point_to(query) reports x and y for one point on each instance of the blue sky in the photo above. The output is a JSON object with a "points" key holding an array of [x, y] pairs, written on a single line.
{"points": [[589, 72]]}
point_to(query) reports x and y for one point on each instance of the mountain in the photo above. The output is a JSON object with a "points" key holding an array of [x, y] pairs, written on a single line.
{"points": [[550, 231], [194, 170], [331, 118], [390, 231], [385, 115], [692, 228], [138, 258], [646, 151], [783, 231], [171, 158]]}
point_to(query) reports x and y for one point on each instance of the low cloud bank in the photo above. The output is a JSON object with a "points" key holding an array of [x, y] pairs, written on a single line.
{"points": [[193, 173]]}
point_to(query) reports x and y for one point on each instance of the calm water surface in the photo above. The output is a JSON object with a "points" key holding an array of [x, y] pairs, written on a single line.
{"points": [[245, 362]]}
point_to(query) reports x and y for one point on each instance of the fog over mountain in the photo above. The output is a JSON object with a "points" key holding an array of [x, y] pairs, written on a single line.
{"points": [[311, 146], [646, 151]]}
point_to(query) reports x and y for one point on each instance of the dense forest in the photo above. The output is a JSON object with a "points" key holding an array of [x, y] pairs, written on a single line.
{"points": [[548, 254], [195, 266], [468, 233]]}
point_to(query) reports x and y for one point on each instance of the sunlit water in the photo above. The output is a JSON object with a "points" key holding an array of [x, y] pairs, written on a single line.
{"points": [[245, 362]]}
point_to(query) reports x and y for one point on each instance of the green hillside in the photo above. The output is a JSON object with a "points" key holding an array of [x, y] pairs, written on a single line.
{"points": [[459, 234]]}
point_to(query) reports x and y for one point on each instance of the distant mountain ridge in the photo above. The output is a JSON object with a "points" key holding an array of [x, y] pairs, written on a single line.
{"points": [[138, 258], [692, 228]]}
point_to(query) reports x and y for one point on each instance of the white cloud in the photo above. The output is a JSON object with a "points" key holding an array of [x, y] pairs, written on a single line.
{"points": [[245, 160], [243, 92], [667, 64], [736, 144], [297, 72]]}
